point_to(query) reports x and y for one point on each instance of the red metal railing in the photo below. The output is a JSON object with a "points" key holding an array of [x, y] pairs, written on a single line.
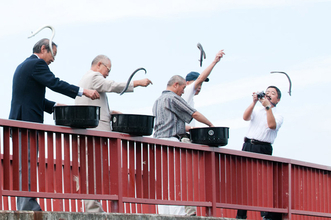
{"points": [[133, 174]]}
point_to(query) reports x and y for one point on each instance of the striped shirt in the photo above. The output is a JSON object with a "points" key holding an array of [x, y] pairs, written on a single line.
{"points": [[171, 112]]}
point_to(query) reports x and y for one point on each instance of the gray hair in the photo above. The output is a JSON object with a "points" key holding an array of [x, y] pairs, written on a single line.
{"points": [[176, 79], [39, 44], [98, 59]]}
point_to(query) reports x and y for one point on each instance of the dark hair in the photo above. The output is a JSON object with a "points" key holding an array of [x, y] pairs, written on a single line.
{"points": [[279, 94], [39, 44]]}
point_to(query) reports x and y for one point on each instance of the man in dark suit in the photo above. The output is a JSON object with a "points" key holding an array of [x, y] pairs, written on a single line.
{"points": [[28, 95], [30, 81]]}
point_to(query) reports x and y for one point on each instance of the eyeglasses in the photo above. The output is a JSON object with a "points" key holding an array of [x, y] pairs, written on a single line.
{"points": [[106, 67]]}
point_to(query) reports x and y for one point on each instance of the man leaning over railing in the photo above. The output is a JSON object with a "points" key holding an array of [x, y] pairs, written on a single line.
{"points": [[171, 113]]}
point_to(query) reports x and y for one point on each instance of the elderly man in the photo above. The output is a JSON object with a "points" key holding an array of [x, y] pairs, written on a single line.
{"points": [[171, 113], [30, 80], [95, 78], [28, 102], [265, 122]]}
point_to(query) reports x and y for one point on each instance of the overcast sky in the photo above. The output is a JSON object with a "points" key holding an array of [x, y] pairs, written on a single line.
{"points": [[258, 36]]}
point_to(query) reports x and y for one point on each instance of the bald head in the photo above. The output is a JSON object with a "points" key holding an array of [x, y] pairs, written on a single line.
{"points": [[101, 64], [99, 58]]}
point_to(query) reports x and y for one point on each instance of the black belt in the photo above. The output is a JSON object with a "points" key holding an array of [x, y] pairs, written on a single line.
{"points": [[256, 142]]}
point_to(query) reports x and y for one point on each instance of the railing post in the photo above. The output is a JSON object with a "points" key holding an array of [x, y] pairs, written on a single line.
{"points": [[82, 165], [42, 166], [58, 203], [282, 172], [210, 183], [90, 165], [1, 172], [50, 168], [116, 185], [5, 168], [289, 192], [105, 168], [16, 158]]}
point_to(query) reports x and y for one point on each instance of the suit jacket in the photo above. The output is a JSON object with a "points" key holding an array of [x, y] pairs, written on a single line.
{"points": [[29, 86], [96, 81]]}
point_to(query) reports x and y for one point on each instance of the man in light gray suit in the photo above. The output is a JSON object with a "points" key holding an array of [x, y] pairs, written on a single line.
{"points": [[96, 78]]}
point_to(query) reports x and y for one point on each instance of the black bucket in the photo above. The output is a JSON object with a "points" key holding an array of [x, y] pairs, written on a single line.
{"points": [[78, 116], [139, 125], [212, 136]]}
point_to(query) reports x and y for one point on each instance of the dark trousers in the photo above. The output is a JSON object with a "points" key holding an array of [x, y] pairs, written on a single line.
{"points": [[261, 148], [26, 203]]}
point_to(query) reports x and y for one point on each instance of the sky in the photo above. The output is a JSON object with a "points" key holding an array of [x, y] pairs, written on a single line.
{"points": [[258, 36]]}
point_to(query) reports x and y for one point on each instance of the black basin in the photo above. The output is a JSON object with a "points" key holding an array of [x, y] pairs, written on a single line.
{"points": [[78, 116], [213, 136], [139, 125]]}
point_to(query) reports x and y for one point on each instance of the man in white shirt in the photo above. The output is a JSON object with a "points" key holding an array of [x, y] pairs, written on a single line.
{"points": [[194, 82], [265, 122], [193, 87]]}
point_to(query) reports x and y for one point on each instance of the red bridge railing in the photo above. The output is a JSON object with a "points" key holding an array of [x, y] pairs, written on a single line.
{"points": [[134, 174]]}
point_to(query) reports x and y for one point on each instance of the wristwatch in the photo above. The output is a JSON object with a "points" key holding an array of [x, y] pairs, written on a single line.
{"points": [[268, 107]]}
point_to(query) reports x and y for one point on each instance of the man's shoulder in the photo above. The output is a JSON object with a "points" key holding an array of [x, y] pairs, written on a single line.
{"points": [[29, 62], [91, 74], [191, 85], [167, 93], [33, 58]]}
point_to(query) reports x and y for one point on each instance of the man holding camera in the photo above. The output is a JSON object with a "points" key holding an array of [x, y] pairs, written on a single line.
{"points": [[265, 122]]}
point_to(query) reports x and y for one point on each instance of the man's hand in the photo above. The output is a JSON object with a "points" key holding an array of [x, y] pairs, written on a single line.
{"points": [[201, 118], [219, 55], [255, 99], [203, 76], [59, 104], [265, 102], [248, 112], [115, 112], [92, 94], [142, 82]]}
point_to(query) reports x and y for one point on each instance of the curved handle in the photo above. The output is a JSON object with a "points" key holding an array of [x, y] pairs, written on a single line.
{"points": [[202, 53], [128, 83], [50, 40], [290, 87]]}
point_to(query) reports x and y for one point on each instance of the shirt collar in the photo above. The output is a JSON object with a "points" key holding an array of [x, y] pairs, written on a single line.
{"points": [[36, 55]]}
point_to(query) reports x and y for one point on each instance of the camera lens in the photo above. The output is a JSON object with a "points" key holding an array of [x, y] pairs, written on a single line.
{"points": [[260, 95]]}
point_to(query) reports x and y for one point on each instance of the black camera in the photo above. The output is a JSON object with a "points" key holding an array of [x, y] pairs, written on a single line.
{"points": [[260, 95]]}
